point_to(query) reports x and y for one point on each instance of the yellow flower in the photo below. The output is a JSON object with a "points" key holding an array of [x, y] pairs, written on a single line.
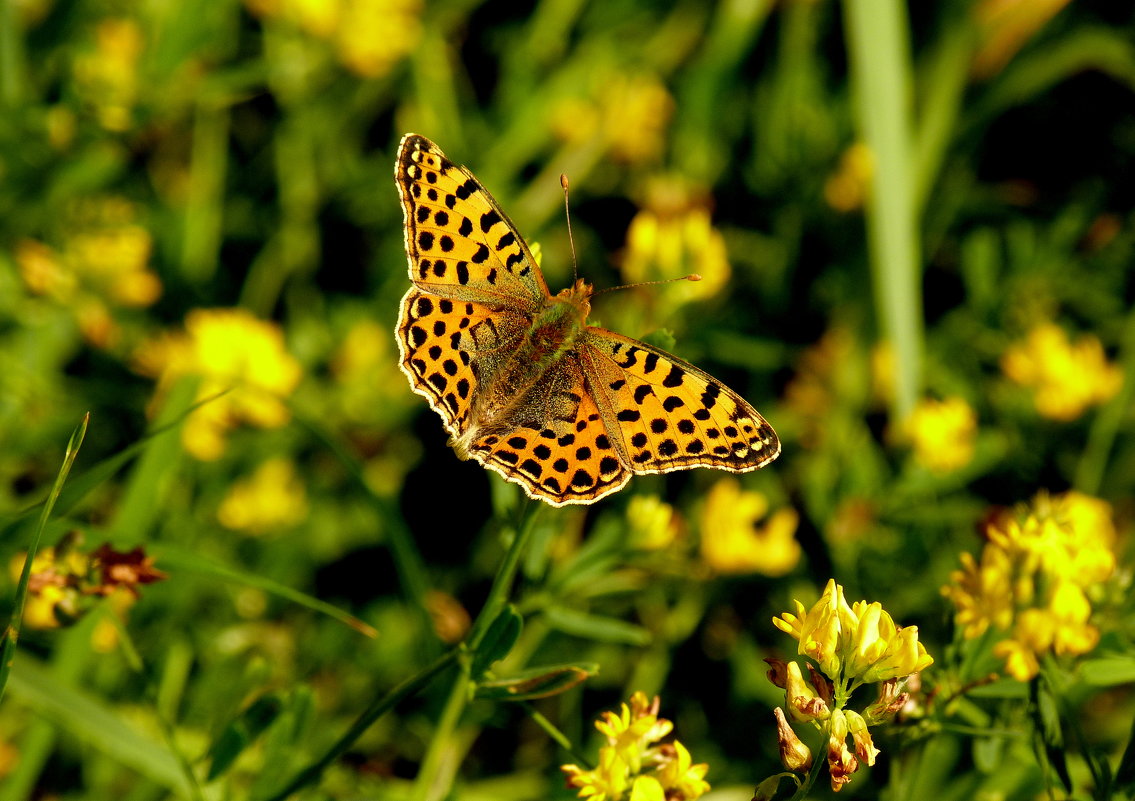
{"points": [[1031, 584], [841, 762], [865, 748], [804, 702], [647, 788], [678, 776], [608, 782], [103, 262], [738, 535], [369, 36], [853, 645], [846, 189], [942, 433], [633, 729], [244, 370], [634, 760], [108, 77], [652, 523], [630, 113], [118, 259], [672, 235], [273, 497], [374, 35], [1066, 378]]}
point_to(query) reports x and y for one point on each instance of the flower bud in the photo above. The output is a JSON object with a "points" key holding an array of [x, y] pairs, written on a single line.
{"points": [[800, 699], [864, 747], [794, 754]]}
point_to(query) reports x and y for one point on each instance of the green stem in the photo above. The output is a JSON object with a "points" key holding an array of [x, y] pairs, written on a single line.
{"points": [[377, 709], [502, 583], [1105, 427], [435, 776], [557, 735], [879, 55], [433, 782], [818, 762]]}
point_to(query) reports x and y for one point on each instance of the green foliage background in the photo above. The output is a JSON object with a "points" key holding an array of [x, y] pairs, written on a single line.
{"points": [[258, 158]]}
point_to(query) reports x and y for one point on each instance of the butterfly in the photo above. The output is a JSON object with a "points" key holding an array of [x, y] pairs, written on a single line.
{"points": [[524, 385]]}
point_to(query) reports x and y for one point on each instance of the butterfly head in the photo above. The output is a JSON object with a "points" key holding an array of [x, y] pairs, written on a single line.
{"points": [[578, 296]]}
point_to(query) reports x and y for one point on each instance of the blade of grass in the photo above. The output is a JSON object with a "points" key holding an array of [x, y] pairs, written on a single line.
{"points": [[382, 705], [941, 89], [879, 54], [79, 487], [174, 558], [151, 476], [12, 634]]}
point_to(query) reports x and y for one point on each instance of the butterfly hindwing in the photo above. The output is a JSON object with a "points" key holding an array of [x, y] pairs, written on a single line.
{"points": [[561, 451], [458, 240], [671, 415]]}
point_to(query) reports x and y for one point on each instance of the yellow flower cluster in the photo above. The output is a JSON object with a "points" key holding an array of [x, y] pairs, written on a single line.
{"points": [[856, 644], [1033, 580], [103, 262], [942, 433], [369, 36], [273, 497], [739, 535], [1066, 378], [107, 76], [619, 103], [672, 236], [851, 645], [633, 764], [244, 369]]}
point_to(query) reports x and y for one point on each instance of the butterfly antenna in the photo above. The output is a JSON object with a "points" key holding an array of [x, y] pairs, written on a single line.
{"points": [[571, 240], [575, 267], [690, 277]]}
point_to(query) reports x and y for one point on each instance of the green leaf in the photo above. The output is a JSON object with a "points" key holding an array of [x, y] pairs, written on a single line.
{"points": [[498, 640], [538, 682], [596, 627], [11, 634], [988, 753], [242, 732], [1108, 671]]}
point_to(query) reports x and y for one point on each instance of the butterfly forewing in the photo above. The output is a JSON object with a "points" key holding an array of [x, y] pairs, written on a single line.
{"points": [[671, 415], [458, 240]]}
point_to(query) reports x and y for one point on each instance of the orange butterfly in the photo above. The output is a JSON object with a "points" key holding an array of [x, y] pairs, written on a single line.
{"points": [[524, 385]]}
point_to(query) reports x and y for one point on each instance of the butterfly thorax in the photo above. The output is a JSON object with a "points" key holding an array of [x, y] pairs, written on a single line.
{"points": [[551, 336]]}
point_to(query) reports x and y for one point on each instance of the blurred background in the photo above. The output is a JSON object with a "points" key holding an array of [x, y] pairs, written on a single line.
{"points": [[914, 225]]}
